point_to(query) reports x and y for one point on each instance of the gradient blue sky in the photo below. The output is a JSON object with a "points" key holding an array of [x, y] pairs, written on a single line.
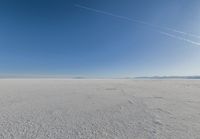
{"points": [[57, 38]]}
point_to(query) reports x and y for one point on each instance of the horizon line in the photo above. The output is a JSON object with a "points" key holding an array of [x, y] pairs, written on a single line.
{"points": [[97, 77]]}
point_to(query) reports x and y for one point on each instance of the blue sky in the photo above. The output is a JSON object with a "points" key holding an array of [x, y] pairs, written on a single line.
{"points": [[48, 37]]}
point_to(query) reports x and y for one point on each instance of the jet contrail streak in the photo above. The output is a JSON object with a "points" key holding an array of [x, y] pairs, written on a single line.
{"points": [[180, 38], [148, 24], [114, 15], [183, 33]]}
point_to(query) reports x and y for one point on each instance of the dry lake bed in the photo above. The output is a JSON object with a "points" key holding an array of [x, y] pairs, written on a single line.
{"points": [[99, 109]]}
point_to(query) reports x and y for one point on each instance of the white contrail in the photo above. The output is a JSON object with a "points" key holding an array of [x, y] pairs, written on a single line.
{"points": [[180, 38], [183, 33], [148, 24], [114, 15]]}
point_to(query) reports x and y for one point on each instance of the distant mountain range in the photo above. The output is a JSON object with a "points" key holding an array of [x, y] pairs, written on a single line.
{"points": [[169, 77]]}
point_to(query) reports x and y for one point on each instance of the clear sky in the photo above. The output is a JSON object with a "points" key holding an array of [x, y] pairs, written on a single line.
{"points": [[100, 38]]}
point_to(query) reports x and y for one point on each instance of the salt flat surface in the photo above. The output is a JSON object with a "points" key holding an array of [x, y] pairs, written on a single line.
{"points": [[99, 109]]}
